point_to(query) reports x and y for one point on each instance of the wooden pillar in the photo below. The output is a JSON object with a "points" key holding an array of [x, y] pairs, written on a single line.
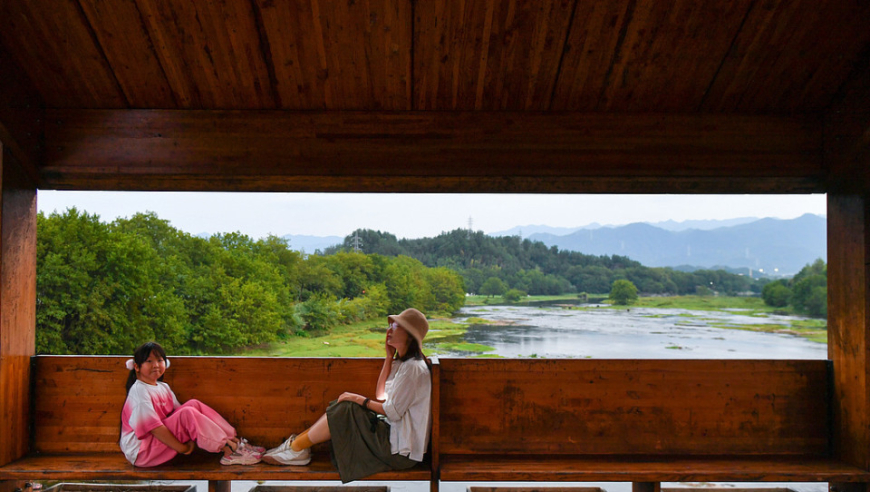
{"points": [[17, 304], [849, 325]]}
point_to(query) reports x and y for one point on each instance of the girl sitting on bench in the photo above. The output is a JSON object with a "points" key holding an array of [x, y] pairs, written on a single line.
{"points": [[155, 427], [389, 432]]}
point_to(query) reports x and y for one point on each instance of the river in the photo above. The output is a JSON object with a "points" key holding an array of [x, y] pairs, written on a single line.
{"points": [[631, 333]]}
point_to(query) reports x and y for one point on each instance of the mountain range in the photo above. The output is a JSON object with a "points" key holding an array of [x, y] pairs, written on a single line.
{"points": [[772, 246]]}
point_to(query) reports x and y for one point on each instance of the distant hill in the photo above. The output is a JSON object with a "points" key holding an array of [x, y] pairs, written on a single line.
{"points": [[774, 245], [668, 225]]}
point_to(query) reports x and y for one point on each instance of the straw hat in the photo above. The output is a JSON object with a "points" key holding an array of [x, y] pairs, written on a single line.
{"points": [[414, 322]]}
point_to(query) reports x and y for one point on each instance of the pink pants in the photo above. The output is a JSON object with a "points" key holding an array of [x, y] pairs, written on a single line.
{"points": [[192, 421]]}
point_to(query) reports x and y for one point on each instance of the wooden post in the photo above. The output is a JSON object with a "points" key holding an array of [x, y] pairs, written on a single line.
{"points": [[17, 306], [849, 325]]}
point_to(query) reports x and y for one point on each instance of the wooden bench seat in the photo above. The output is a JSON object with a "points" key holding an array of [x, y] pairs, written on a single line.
{"points": [[634, 468], [643, 421], [77, 405], [640, 421], [200, 466]]}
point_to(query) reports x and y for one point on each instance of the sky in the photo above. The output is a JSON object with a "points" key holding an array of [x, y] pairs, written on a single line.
{"points": [[415, 215]]}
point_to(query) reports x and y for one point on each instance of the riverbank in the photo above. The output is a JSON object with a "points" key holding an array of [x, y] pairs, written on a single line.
{"points": [[366, 339]]}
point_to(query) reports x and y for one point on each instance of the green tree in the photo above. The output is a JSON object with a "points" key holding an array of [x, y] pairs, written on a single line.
{"points": [[623, 292], [514, 295], [492, 287], [776, 294]]}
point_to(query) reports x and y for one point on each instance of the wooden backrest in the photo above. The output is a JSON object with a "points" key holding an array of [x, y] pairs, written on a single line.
{"points": [[78, 399], [634, 407]]}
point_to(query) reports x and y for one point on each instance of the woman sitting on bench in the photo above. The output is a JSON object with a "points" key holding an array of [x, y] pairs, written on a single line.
{"points": [[389, 432]]}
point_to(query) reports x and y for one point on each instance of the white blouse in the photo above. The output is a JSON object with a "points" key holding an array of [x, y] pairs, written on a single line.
{"points": [[408, 409]]}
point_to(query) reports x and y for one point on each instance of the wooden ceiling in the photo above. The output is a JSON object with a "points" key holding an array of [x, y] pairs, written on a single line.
{"points": [[418, 71]]}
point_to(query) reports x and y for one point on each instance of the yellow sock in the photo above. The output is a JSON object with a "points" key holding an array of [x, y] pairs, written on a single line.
{"points": [[301, 442]]}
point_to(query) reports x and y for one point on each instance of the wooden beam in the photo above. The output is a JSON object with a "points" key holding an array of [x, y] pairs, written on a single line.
{"points": [[431, 152], [849, 325], [21, 116], [17, 304], [847, 133]]}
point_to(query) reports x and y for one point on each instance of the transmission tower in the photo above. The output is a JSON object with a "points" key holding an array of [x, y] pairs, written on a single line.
{"points": [[356, 242], [470, 227]]}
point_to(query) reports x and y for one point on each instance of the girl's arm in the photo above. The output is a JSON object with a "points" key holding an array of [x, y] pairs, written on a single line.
{"points": [[163, 435]]}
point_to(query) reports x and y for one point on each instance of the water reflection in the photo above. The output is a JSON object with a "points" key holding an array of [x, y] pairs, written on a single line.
{"points": [[633, 333]]}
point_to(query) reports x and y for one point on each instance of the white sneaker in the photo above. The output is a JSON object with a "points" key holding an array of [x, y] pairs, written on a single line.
{"points": [[284, 445], [284, 455]]}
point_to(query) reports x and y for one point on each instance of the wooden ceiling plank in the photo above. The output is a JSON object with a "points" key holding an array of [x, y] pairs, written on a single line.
{"points": [[210, 53], [590, 46], [121, 32], [670, 54], [59, 53], [263, 149], [790, 56], [493, 55]]}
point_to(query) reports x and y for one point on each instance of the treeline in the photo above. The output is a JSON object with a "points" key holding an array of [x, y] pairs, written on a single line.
{"points": [[532, 267], [806, 292], [103, 288]]}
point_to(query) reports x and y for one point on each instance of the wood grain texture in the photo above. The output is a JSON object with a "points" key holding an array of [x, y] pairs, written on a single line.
{"points": [[339, 55], [120, 30], [488, 55], [669, 54], [211, 53], [17, 305], [849, 325], [199, 466], [633, 408], [847, 133], [397, 151], [265, 399], [57, 49], [780, 61], [649, 469], [22, 118]]}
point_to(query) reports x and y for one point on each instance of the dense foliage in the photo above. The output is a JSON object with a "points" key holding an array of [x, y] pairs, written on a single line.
{"points": [[806, 292], [532, 267], [105, 288], [623, 293]]}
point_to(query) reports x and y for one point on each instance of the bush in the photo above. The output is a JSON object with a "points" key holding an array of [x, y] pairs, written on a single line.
{"points": [[623, 292], [514, 295]]}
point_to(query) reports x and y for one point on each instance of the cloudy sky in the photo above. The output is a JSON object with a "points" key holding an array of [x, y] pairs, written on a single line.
{"points": [[416, 215]]}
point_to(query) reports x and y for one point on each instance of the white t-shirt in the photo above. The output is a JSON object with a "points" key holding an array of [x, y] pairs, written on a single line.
{"points": [[408, 409], [145, 409]]}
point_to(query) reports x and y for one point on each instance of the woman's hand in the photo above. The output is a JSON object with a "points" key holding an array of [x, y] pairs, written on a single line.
{"points": [[346, 396]]}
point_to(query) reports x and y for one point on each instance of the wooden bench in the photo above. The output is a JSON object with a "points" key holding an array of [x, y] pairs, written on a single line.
{"points": [[643, 422], [640, 421], [77, 407]]}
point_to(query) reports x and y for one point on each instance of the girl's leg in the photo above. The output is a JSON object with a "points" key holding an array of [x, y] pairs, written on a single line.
{"points": [[213, 415], [189, 423], [153, 452], [317, 433]]}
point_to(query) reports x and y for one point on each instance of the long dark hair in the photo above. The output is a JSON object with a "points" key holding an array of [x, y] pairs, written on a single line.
{"points": [[140, 356], [414, 352]]}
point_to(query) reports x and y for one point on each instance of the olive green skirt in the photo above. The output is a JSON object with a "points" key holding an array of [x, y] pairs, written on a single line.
{"points": [[361, 442]]}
